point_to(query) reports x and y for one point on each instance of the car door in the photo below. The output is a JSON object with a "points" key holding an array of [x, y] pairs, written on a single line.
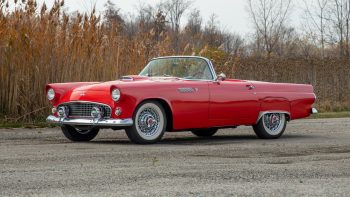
{"points": [[233, 102], [190, 104]]}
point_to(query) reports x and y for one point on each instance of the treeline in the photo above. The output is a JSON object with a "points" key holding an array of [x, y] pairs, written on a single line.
{"points": [[40, 45], [323, 32]]}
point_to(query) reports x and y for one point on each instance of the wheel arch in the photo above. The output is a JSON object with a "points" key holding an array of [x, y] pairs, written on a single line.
{"points": [[275, 104], [166, 107], [262, 113]]}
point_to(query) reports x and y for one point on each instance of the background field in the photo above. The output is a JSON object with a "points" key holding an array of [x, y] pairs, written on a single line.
{"points": [[40, 45]]}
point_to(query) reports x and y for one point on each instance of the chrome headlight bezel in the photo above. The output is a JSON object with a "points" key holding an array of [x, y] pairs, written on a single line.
{"points": [[115, 94], [51, 94]]}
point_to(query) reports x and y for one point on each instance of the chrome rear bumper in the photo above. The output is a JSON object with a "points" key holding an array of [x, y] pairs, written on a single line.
{"points": [[314, 111], [92, 122]]}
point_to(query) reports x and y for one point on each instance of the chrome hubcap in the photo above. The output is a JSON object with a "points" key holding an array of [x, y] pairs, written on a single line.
{"points": [[273, 123], [148, 121]]}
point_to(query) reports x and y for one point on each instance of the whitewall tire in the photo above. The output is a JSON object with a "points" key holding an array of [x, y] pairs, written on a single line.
{"points": [[149, 123], [271, 126]]}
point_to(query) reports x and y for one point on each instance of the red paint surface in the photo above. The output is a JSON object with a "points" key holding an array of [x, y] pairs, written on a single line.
{"points": [[212, 104]]}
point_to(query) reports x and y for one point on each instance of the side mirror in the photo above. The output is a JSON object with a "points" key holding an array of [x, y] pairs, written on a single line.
{"points": [[221, 77]]}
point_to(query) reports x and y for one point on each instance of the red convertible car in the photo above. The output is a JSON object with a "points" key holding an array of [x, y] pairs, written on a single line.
{"points": [[177, 93]]}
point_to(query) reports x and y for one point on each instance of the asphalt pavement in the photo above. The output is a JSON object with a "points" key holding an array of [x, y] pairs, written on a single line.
{"points": [[312, 158]]}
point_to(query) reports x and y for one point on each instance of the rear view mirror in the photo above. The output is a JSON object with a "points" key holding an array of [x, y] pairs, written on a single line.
{"points": [[221, 77]]}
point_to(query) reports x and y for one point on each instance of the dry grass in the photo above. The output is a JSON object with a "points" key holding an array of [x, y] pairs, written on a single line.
{"points": [[50, 46], [36, 49]]}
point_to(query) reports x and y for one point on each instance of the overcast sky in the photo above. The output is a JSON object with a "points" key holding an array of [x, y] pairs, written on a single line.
{"points": [[232, 14]]}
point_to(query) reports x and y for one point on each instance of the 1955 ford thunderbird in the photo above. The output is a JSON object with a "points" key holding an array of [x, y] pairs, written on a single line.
{"points": [[177, 93]]}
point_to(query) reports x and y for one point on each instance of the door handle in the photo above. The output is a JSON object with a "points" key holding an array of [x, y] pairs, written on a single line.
{"points": [[250, 87]]}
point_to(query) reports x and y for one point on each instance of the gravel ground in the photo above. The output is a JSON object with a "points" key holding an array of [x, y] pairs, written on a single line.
{"points": [[312, 158]]}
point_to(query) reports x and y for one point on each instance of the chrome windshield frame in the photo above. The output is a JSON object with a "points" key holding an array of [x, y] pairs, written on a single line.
{"points": [[209, 63]]}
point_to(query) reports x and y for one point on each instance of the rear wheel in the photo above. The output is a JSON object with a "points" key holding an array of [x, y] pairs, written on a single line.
{"points": [[270, 126], [149, 123], [78, 135], [205, 132]]}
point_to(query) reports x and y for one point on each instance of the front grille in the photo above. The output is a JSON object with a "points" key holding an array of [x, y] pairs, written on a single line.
{"points": [[83, 110]]}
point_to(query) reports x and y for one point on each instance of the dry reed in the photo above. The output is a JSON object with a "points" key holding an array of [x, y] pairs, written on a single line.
{"points": [[51, 46]]}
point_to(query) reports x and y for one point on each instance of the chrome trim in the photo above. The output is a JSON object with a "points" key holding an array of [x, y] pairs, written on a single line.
{"points": [[62, 112], [261, 114], [187, 90], [127, 78], [118, 96], [118, 111], [273, 124], [211, 67], [314, 111], [90, 122], [48, 96], [96, 113], [78, 101]]}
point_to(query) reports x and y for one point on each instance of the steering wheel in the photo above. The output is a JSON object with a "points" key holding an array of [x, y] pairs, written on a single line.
{"points": [[197, 75]]}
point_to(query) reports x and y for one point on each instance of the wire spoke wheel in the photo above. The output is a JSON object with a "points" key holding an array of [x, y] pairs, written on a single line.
{"points": [[270, 125], [149, 123], [273, 123]]}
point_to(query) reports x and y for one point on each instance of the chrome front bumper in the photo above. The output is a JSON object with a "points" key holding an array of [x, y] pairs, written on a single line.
{"points": [[91, 122]]}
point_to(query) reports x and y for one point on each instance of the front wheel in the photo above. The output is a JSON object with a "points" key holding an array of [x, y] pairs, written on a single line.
{"points": [[78, 135], [270, 126], [149, 123]]}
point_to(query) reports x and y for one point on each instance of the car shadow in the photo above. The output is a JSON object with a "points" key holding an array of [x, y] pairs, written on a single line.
{"points": [[214, 140]]}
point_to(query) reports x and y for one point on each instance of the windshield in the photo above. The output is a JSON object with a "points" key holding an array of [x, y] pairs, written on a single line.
{"points": [[181, 67]]}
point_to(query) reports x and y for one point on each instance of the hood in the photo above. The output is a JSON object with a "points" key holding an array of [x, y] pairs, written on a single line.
{"points": [[124, 81], [102, 86]]}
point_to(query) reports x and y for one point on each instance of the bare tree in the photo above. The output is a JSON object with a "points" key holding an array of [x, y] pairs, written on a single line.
{"points": [[212, 33], [233, 43], [288, 43], [146, 15], [112, 15], [269, 17], [194, 23], [175, 10], [317, 16], [159, 25], [193, 28], [340, 17]]}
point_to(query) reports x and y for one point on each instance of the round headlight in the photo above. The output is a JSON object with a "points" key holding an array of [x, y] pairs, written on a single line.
{"points": [[50, 94], [116, 95]]}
